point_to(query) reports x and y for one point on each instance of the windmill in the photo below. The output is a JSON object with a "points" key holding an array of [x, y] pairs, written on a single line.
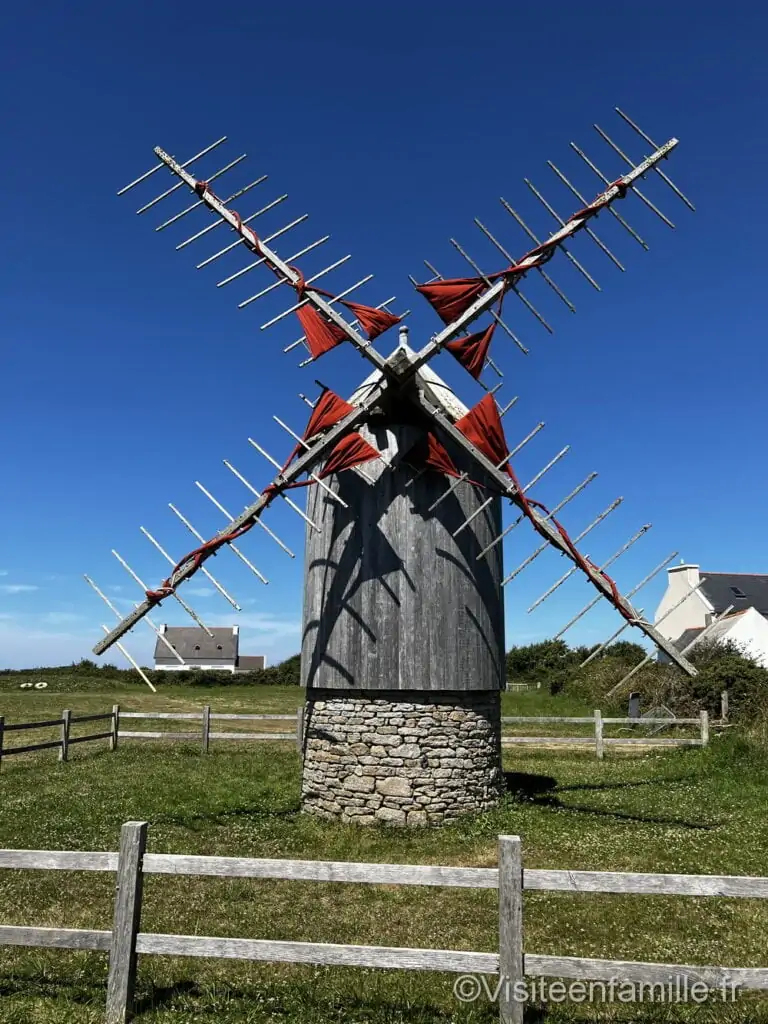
{"points": [[403, 640]]}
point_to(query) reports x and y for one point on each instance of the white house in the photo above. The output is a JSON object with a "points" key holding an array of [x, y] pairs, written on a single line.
{"points": [[201, 651], [746, 625]]}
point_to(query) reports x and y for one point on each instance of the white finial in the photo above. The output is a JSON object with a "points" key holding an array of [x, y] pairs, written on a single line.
{"points": [[403, 336]]}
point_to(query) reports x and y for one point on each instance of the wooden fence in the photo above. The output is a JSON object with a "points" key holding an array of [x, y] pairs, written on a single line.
{"points": [[205, 717], [115, 732], [599, 740], [125, 940], [65, 740]]}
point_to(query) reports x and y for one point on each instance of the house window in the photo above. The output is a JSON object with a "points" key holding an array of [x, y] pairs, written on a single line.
{"points": [[737, 592], [219, 647], [197, 647]]}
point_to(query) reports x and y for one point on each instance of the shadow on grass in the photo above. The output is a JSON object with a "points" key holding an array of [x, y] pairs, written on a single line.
{"points": [[254, 812], [540, 791]]}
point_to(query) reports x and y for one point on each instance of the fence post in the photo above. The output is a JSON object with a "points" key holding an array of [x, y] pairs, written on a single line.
{"points": [[511, 970], [206, 728], [2, 733], [122, 955], [114, 727], [65, 723], [704, 716], [300, 730], [599, 745], [724, 706]]}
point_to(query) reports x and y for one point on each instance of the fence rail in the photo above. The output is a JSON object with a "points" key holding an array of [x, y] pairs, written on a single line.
{"points": [[205, 717], [125, 940], [115, 733], [599, 740]]}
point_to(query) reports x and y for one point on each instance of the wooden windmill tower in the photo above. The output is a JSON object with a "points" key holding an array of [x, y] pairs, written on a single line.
{"points": [[403, 639]]}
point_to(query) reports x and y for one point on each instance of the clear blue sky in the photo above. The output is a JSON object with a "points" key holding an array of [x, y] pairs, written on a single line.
{"points": [[126, 374]]}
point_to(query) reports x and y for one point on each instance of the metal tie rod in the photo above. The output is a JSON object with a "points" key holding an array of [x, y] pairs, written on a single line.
{"points": [[529, 305], [696, 640], [247, 220], [157, 167], [640, 533], [583, 201], [613, 637], [194, 206], [130, 659], [669, 611], [260, 522], [160, 635], [606, 181], [284, 280], [190, 611], [313, 476], [555, 510], [561, 222], [286, 499], [636, 190], [208, 575], [511, 259], [593, 602], [234, 549], [658, 170], [180, 184], [251, 266], [216, 223], [539, 475], [297, 305], [595, 522]]}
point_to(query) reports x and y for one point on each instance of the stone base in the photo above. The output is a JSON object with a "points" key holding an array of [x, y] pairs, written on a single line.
{"points": [[401, 757]]}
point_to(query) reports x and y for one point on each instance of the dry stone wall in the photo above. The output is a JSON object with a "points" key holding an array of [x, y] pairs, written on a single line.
{"points": [[401, 758]]}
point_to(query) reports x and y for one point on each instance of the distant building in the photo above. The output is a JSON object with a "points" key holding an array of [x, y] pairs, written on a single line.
{"points": [[747, 623], [220, 653]]}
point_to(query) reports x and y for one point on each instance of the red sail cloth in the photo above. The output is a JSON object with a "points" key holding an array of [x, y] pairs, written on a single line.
{"points": [[451, 298], [350, 451], [321, 335], [430, 452], [482, 426], [373, 321], [472, 350], [329, 409]]}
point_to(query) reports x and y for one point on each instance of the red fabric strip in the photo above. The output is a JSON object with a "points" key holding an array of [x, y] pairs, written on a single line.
{"points": [[350, 451], [328, 410], [430, 452], [374, 321], [472, 350], [451, 298], [321, 335], [482, 426]]}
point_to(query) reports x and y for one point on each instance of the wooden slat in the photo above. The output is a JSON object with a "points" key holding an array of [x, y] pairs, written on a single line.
{"points": [[544, 720], [651, 721], [125, 927], [646, 884], [320, 953], [321, 871], [252, 736], [18, 726], [158, 735], [54, 938], [587, 969], [7, 751], [58, 860], [588, 740], [90, 718], [86, 739], [181, 715], [650, 741], [511, 965], [252, 718]]}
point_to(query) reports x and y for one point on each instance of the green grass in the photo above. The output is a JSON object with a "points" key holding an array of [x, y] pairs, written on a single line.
{"points": [[687, 811]]}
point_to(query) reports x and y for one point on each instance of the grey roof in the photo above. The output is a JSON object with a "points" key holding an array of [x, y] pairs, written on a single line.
{"points": [[718, 592], [686, 637], [194, 644]]}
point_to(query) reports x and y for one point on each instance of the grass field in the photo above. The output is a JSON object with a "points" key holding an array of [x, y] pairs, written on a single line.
{"points": [[687, 811]]}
